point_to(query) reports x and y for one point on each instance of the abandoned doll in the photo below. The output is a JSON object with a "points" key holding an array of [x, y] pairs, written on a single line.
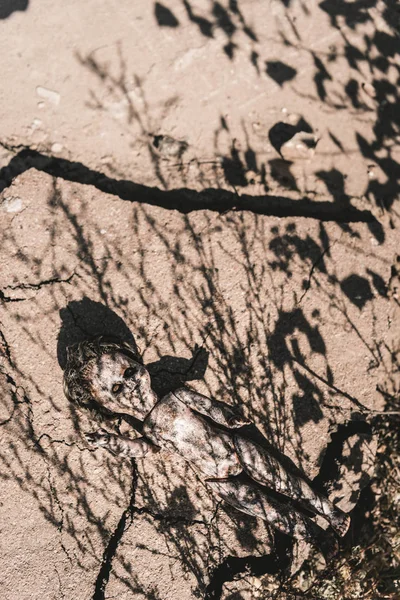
{"points": [[109, 377]]}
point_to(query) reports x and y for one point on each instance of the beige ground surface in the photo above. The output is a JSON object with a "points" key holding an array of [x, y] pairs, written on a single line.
{"points": [[218, 180]]}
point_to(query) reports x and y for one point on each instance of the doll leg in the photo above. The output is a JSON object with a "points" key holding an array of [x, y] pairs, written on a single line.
{"points": [[267, 470], [251, 499]]}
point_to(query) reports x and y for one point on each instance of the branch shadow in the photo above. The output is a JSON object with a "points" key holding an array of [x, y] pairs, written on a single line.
{"points": [[263, 360]]}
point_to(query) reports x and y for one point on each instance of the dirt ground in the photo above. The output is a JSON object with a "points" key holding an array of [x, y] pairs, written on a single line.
{"points": [[218, 181]]}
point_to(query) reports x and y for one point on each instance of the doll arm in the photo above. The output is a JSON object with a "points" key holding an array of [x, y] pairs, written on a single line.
{"points": [[120, 444], [221, 413]]}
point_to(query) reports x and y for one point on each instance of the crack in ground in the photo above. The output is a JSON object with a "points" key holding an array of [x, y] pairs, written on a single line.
{"points": [[64, 442], [36, 440], [115, 539], [62, 595], [170, 519], [6, 346], [15, 396], [60, 526], [33, 286], [184, 200], [123, 526], [38, 286], [5, 298]]}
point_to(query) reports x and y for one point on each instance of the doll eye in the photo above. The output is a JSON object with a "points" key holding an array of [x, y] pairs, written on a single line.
{"points": [[130, 372], [116, 388]]}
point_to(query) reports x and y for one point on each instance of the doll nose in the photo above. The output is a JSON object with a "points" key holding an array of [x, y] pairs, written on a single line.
{"points": [[132, 384]]}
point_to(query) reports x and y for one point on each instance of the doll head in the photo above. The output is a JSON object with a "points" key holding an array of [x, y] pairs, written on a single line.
{"points": [[108, 376]]}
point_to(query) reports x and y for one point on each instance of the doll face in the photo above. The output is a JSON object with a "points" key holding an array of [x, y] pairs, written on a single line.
{"points": [[121, 385]]}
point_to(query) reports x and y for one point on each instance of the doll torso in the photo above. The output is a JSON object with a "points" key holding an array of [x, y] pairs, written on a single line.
{"points": [[175, 427]]}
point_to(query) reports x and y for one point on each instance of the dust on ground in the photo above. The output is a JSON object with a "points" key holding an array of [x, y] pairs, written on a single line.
{"points": [[220, 181]]}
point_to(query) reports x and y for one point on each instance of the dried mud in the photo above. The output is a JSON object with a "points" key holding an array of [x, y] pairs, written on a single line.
{"points": [[218, 182]]}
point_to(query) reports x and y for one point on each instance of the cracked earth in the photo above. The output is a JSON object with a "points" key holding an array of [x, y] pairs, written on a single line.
{"points": [[218, 182]]}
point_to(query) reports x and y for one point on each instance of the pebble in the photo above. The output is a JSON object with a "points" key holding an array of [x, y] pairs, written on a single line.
{"points": [[302, 145], [56, 148], [168, 146], [12, 204], [51, 96]]}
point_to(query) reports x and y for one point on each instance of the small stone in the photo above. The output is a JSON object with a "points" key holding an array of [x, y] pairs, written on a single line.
{"points": [[12, 204], [41, 105], [300, 146], [51, 96], [169, 147], [284, 110], [56, 147]]}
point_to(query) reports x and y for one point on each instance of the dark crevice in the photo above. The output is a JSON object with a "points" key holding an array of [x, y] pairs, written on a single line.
{"points": [[5, 348], [36, 286], [114, 541], [56, 499], [183, 200], [64, 443], [62, 595], [25, 400], [4, 298], [170, 519], [124, 524]]}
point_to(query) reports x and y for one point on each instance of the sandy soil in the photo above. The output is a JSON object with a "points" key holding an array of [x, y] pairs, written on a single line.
{"points": [[218, 180]]}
